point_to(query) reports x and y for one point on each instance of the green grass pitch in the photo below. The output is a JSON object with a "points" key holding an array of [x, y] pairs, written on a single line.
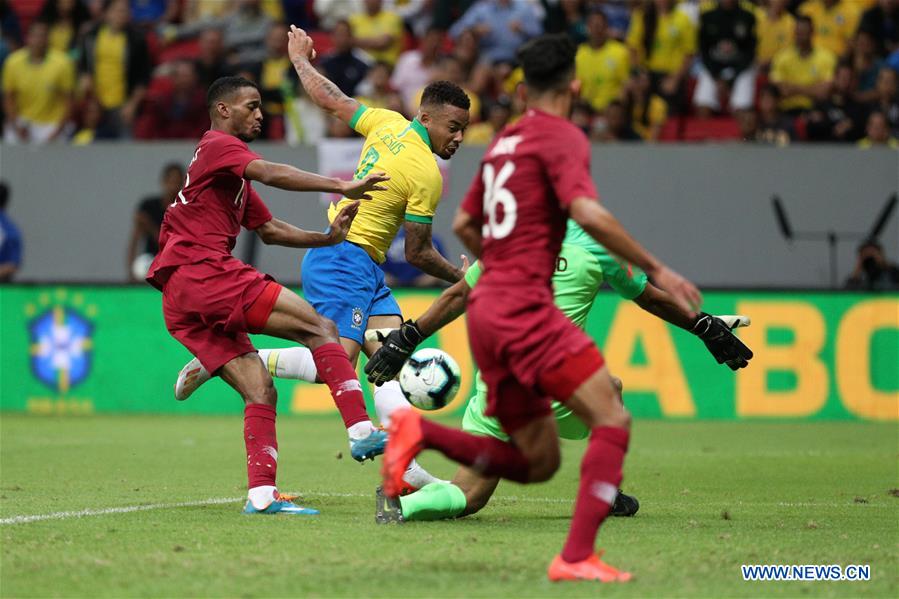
{"points": [[714, 496]]}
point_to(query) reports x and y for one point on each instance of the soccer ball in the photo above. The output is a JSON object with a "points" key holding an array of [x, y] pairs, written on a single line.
{"points": [[430, 379]]}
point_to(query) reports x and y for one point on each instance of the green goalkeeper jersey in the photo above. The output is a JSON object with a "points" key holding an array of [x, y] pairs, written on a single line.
{"points": [[582, 267]]}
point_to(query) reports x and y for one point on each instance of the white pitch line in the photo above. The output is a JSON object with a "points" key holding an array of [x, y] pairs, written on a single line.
{"points": [[116, 510], [225, 500]]}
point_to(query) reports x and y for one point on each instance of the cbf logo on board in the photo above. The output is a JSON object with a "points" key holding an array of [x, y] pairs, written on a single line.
{"points": [[61, 340]]}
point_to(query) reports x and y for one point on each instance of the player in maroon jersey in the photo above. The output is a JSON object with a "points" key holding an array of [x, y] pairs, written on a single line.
{"points": [[534, 176], [211, 300]]}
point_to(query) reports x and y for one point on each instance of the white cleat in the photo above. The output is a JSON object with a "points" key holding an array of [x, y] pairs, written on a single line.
{"points": [[189, 379]]}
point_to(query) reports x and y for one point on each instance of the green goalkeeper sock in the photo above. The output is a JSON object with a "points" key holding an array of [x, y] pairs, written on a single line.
{"points": [[435, 501]]}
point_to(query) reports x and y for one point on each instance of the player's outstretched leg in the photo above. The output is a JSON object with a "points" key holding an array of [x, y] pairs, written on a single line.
{"points": [[410, 434], [597, 403], [294, 363], [293, 318], [467, 494], [248, 377], [388, 398]]}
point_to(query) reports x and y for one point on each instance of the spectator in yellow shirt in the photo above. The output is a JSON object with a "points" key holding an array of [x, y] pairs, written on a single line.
{"points": [[451, 69], [38, 83], [603, 64], [878, 133], [274, 74], [648, 110], [774, 27], [375, 91], [66, 18], [378, 32], [115, 68], [663, 40], [803, 72], [497, 117], [835, 22], [91, 114]]}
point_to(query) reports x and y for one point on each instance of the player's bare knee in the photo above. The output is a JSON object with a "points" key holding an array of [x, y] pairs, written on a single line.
{"points": [[326, 330], [618, 418], [264, 394], [544, 466]]}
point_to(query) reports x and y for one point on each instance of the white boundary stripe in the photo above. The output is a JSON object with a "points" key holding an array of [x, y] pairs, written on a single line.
{"points": [[225, 500], [116, 510]]}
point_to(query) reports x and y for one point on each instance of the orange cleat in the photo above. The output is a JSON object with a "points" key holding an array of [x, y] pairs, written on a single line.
{"points": [[591, 568], [285, 496], [403, 443]]}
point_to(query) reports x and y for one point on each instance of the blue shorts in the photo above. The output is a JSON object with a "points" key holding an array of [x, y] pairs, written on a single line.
{"points": [[344, 284]]}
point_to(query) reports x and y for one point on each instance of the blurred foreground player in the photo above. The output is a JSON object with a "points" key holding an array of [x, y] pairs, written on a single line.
{"points": [[534, 176], [211, 300], [581, 269]]}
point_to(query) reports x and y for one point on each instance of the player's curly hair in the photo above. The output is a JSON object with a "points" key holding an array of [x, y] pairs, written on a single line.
{"points": [[548, 62], [224, 87], [445, 92]]}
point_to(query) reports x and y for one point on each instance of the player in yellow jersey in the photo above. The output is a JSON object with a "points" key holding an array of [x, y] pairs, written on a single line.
{"points": [[344, 282]]}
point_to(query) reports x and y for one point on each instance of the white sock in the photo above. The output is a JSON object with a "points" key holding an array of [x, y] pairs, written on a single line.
{"points": [[261, 497], [418, 477], [297, 363], [360, 430], [388, 399], [290, 363]]}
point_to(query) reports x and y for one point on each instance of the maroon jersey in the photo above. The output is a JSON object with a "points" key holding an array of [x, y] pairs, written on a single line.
{"points": [[204, 220], [528, 178]]}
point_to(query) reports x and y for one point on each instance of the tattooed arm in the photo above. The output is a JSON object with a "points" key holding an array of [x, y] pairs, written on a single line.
{"points": [[321, 90]]}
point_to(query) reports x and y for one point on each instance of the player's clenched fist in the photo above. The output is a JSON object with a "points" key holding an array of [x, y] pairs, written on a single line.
{"points": [[299, 45]]}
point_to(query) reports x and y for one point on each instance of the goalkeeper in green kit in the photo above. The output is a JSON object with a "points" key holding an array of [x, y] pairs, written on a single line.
{"points": [[583, 265]]}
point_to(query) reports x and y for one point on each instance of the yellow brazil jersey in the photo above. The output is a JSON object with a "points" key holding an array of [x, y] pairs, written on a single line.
{"points": [[41, 90], [774, 34], [602, 72], [835, 26], [480, 134], [84, 137], [382, 23], [866, 144], [273, 74], [675, 39], [61, 35], [111, 82], [791, 67], [656, 115], [402, 150]]}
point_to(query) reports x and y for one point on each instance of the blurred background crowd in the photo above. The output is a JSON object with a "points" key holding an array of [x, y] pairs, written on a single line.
{"points": [[769, 71]]}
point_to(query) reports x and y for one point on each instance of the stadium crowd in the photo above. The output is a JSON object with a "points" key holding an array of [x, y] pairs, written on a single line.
{"points": [[770, 71]]}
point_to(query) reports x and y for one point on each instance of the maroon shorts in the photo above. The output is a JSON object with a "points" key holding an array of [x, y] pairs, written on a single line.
{"points": [[205, 306], [528, 352]]}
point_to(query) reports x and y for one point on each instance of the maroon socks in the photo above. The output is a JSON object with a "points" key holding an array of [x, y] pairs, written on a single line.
{"points": [[262, 444], [600, 478], [335, 370]]}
